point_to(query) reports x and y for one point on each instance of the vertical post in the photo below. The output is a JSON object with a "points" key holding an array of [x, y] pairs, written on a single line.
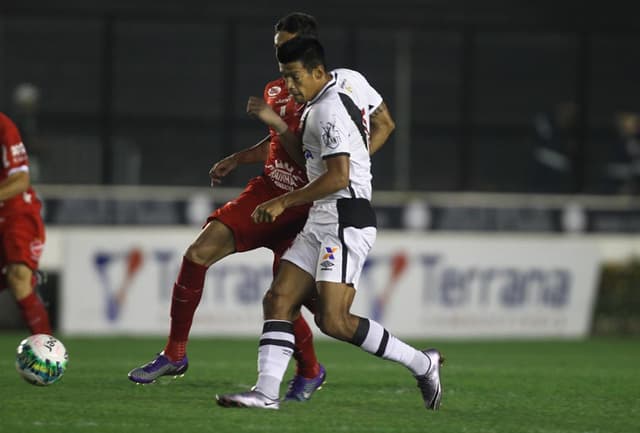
{"points": [[4, 100], [466, 107], [579, 155], [106, 99], [402, 133], [351, 43], [228, 84]]}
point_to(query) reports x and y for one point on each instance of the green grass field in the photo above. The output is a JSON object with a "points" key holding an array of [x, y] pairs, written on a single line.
{"points": [[534, 387]]}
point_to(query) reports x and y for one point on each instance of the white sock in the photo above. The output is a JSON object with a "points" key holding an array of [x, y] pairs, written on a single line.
{"points": [[375, 339], [274, 353]]}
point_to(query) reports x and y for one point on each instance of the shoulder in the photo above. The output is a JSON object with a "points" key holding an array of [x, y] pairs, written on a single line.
{"points": [[349, 74], [327, 106], [348, 78], [7, 127], [4, 120]]}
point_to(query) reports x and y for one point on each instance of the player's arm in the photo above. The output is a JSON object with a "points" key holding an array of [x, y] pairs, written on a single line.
{"points": [[291, 142], [15, 184], [334, 179], [382, 125], [256, 153]]}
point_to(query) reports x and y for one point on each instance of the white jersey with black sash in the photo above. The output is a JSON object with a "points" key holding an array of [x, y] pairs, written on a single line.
{"points": [[336, 122], [341, 227]]}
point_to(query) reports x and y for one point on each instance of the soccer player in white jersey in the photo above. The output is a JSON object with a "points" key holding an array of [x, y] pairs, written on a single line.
{"points": [[327, 257]]}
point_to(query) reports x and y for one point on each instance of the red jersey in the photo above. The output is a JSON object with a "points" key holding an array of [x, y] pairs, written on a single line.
{"points": [[15, 160], [283, 172]]}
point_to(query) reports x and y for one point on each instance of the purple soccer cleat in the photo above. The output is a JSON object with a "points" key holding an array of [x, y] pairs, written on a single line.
{"points": [[301, 388], [160, 366]]}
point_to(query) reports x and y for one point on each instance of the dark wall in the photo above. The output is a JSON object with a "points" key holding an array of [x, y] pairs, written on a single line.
{"points": [[141, 92]]}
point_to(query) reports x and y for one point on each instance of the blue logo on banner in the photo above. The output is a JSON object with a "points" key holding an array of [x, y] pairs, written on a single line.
{"points": [[115, 292]]}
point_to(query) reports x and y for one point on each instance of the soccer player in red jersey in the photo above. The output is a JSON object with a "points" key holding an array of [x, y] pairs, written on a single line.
{"points": [[22, 232], [230, 229]]}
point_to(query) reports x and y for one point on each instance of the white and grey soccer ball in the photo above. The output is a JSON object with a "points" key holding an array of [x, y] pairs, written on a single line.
{"points": [[41, 359]]}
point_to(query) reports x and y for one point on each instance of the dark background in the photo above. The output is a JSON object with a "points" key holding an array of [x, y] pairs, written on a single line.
{"points": [[153, 93]]}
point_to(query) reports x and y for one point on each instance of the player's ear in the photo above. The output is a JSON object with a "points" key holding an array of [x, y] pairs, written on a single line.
{"points": [[318, 72]]}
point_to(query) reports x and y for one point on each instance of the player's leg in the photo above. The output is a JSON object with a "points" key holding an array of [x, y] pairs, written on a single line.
{"points": [[213, 243], [334, 317], [22, 241], [19, 280], [310, 374], [281, 305]]}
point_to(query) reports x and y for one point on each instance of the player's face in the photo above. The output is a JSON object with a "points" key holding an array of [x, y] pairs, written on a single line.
{"points": [[302, 84], [281, 37]]}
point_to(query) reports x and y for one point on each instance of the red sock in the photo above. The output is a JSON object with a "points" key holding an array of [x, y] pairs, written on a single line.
{"points": [[187, 292], [34, 314], [304, 353]]}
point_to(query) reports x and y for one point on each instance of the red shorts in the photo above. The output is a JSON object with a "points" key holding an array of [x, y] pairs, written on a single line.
{"points": [[22, 240], [276, 236]]}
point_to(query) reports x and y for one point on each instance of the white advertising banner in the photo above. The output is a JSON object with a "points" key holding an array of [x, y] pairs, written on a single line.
{"points": [[480, 286], [120, 280]]}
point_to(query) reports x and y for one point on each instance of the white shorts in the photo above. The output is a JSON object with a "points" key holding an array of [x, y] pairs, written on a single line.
{"points": [[330, 252]]}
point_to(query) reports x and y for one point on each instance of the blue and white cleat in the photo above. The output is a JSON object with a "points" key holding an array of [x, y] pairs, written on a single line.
{"points": [[429, 383], [251, 398], [160, 366], [301, 388]]}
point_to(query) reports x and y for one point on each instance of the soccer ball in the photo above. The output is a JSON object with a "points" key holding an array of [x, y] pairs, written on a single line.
{"points": [[41, 359]]}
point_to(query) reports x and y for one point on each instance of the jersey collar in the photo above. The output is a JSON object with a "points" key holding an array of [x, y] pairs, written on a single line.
{"points": [[330, 84]]}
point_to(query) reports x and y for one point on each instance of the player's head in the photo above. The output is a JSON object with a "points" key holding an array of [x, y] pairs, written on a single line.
{"points": [[302, 64], [295, 24]]}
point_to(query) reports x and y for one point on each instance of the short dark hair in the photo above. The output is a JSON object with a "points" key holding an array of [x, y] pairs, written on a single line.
{"points": [[299, 23], [308, 51]]}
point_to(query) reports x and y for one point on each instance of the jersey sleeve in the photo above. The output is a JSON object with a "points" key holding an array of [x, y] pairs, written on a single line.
{"points": [[331, 129], [373, 99], [359, 88], [14, 154]]}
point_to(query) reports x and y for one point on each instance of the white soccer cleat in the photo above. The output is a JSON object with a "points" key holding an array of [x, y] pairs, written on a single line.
{"points": [[429, 383], [247, 399]]}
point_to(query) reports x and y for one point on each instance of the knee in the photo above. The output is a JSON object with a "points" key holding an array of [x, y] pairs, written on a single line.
{"points": [[213, 244], [18, 279], [275, 305], [17, 274], [335, 325], [201, 253]]}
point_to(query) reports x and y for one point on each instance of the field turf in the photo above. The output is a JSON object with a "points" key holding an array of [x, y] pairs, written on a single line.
{"points": [[526, 386]]}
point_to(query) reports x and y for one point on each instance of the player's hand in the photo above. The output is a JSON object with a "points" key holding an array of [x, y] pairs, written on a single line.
{"points": [[257, 107], [268, 211], [222, 168]]}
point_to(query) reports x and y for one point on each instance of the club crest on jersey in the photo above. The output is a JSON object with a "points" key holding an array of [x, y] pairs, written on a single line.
{"points": [[273, 91], [330, 135], [35, 248], [308, 154]]}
